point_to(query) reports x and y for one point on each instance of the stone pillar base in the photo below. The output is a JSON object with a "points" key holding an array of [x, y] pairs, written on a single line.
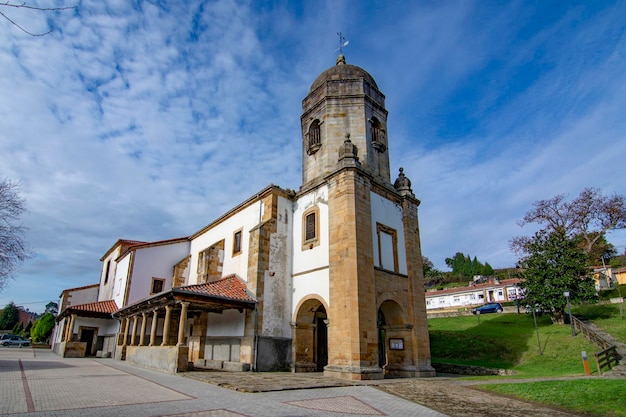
{"points": [[304, 367], [409, 371], [120, 352], [354, 373]]}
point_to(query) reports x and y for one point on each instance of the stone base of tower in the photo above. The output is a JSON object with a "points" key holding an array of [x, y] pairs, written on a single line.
{"points": [[354, 373], [409, 371]]}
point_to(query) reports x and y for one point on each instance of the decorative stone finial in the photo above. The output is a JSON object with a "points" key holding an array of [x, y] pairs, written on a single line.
{"points": [[403, 184], [348, 150], [341, 60]]}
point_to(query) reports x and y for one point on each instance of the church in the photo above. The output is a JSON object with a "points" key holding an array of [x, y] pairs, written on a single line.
{"points": [[327, 278]]}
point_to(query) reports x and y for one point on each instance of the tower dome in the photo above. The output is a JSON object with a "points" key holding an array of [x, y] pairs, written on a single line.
{"points": [[342, 71]]}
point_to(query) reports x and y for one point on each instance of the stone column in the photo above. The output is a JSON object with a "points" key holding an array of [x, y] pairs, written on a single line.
{"points": [[153, 328], [70, 330], [142, 336], [126, 323], [133, 335], [166, 325], [182, 323]]}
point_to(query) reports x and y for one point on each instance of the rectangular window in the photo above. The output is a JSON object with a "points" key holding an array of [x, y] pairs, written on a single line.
{"points": [[237, 242], [310, 227], [387, 248], [106, 271], [157, 285]]}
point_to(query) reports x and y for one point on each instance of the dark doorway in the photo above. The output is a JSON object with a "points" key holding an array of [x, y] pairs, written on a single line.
{"points": [[321, 355], [382, 352], [86, 336]]}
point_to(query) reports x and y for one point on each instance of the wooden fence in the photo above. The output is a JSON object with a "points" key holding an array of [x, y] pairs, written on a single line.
{"points": [[608, 356]]}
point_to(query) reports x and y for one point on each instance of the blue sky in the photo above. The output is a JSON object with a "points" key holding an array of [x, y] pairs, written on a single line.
{"points": [[147, 120]]}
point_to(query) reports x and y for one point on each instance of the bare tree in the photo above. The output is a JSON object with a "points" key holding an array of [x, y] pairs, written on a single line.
{"points": [[589, 216], [13, 248], [25, 6]]}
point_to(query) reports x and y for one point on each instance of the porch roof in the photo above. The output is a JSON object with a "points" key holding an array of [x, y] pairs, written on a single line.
{"points": [[227, 293], [99, 309]]}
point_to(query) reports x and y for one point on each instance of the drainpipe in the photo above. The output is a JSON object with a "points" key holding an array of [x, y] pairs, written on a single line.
{"points": [[256, 336]]}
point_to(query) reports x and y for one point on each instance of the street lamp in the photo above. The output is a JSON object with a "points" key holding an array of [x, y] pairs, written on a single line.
{"points": [[569, 307]]}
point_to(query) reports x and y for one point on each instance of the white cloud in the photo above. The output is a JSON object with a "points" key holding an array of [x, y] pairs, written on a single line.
{"points": [[147, 121]]}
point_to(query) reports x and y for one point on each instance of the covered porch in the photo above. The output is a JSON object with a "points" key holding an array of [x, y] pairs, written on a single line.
{"points": [[169, 330]]}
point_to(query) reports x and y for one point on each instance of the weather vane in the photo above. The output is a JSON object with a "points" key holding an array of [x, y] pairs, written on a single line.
{"points": [[341, 43]]}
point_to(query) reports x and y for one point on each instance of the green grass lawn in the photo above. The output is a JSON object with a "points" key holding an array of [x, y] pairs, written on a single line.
{"points": [[606, 317], [601, 397], [509, 341]]}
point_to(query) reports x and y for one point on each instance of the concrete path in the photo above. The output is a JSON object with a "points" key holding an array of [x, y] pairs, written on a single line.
{"points": [[36, 382]]}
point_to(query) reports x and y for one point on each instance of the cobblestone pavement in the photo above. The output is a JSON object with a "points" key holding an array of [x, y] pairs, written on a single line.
{"points": [[36, 382]]}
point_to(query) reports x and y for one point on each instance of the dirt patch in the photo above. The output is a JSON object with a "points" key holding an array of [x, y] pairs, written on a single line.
{"points": [[461, 401]]}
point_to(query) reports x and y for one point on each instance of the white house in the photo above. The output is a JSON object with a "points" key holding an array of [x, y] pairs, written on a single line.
{"points": [[474, 295]]}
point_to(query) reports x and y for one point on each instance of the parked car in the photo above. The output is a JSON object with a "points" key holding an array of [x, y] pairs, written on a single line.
{"points": [[13, 339], [488, 308]]}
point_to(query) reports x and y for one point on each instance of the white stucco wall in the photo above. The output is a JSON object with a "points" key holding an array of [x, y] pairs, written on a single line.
{"points": [[229, 323], [310, 265], [81, 296], [154, 262], [244, 220], [388, 214], [107, 290], [307, 259], [119, 286]]}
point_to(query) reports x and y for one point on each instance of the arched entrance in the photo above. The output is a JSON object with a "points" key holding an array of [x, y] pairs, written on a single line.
{"points": [[392, 335], [311, 337]]}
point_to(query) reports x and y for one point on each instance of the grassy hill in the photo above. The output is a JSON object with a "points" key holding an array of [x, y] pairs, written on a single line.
{"points": [[509, 341]]}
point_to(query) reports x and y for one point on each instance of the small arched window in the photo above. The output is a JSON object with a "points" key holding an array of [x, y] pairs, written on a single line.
{"points": [[379, 139], [314, 137]]}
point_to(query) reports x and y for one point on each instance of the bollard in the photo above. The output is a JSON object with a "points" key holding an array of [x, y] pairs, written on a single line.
{"points": [[586, 364]]}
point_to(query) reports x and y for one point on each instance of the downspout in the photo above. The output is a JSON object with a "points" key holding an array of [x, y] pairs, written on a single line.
{"points": [[256, 336]]}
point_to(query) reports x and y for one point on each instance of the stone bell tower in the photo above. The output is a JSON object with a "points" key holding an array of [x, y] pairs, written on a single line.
{"points": [[343, 102], [368, 251]]}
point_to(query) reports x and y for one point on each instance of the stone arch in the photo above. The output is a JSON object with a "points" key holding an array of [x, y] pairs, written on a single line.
{"points": [[310, 335], [392, 325]]}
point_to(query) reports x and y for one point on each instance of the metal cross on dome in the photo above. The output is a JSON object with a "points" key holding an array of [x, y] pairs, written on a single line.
{"points": [[341, 43]]}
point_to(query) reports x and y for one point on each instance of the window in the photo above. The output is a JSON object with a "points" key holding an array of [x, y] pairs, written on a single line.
{"points": [[387, 247], [106, 271], [237, 242], [310, 228], [314, 137], [379, 141], [157, 285]]}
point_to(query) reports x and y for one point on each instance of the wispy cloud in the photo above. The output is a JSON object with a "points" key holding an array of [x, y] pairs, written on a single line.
{"points": [[146, 120]]}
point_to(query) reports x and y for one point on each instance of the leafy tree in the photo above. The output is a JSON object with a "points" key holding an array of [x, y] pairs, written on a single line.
{"points": [[52, 307], [18, 328], [13, 249], [553, 264], [43, 327], [588, 217], [9, 316], [463, 265]]}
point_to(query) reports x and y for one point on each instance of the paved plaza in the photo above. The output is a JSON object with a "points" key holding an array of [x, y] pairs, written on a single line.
{"points": [[36, 382]]}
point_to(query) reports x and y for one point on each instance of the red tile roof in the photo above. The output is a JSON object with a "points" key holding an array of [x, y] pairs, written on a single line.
{"points": [[503, 283], [230, 287], [102, 309]]}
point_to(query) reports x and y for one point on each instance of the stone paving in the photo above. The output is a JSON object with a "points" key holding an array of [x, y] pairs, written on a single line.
{"points": [[36, 382]]}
